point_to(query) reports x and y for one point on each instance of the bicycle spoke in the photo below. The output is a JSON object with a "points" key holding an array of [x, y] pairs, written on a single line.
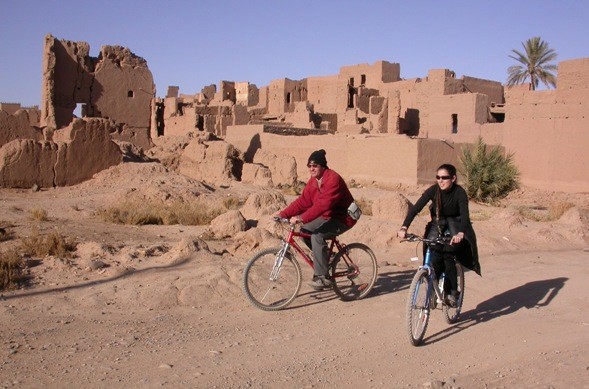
{"points": [[271, 284], [354, 271]]}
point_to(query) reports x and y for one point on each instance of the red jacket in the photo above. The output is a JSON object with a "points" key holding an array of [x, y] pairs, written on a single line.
{"points": [[331, 200]]}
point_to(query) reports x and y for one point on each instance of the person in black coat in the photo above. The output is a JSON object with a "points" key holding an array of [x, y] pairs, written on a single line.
{"points": [[450, 215]]}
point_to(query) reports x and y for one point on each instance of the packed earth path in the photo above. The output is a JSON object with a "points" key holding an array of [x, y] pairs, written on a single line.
{"points": [[163, 306], [520, 328]]}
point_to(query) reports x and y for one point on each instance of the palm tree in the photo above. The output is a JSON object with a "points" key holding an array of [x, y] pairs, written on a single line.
{"points": [[534, 64]]}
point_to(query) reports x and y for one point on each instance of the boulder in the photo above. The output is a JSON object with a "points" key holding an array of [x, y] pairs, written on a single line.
{"points": [[227, 224], [216, 162], [256, 174], [283, 167]]}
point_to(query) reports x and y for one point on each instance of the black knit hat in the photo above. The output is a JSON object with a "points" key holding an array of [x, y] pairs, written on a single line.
{"points": [[318, 157]]}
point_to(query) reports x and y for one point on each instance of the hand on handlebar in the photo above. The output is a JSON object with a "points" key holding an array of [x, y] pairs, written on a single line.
{"points": [[457, 238], [402, 233]]}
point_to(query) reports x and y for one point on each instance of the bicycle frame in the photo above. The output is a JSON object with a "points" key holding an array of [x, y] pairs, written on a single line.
{"points": [[334, 247], [433, 283]]}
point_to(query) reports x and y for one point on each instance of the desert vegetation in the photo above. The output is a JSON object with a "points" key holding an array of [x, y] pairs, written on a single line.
{"points": [[142, 212], [489, 175]]}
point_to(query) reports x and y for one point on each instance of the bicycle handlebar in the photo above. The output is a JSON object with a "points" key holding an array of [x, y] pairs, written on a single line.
{"points": [[416, 238]]}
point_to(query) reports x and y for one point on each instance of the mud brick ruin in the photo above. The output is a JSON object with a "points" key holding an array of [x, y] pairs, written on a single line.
{"points": [[377, 128]]}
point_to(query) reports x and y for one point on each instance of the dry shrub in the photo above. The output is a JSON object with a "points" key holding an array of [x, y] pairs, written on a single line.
{"points": [[232, 203], [365, 205], [10, 268], [137, 212], [557, 210], [294, 189], [39, 214], [544, 214], [5, 232], [54, 244], [480, 215]]}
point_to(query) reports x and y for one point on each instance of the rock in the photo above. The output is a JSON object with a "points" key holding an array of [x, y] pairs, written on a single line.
{"points": [[228, 224]]}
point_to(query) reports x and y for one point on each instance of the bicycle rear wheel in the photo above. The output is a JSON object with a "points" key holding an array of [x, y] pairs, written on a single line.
{"points": [[451, 313], [269, 282], [418, 307], [354, 271]]}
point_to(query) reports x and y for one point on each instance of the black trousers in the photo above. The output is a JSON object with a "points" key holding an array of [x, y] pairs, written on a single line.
{"points": [[442, 260]]}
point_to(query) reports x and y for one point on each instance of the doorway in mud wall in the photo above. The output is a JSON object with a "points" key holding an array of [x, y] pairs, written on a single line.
{"points": [[159, 119], [412, 121], [454, 123]]}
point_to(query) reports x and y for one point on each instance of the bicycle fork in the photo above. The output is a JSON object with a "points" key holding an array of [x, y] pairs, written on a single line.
{"points": [[278, 261]]}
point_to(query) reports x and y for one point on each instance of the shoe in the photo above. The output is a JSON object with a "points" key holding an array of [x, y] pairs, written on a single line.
{"points": [[320, 283], [452, 298]]}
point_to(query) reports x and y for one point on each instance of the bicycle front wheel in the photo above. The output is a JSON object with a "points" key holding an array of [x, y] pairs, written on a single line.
{"points": [[354, 271], [270, 282], [418, 307], [451, 313]]}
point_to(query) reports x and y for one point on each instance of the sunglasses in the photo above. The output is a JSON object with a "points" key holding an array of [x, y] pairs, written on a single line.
{"points": [[443, 177], [312, 165]]}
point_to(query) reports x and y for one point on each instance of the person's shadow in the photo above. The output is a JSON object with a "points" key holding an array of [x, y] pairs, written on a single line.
{"points": [[536, 294]]}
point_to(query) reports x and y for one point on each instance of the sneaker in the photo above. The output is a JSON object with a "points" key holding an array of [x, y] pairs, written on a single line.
{"points": [[452, 298], [320, 283]]}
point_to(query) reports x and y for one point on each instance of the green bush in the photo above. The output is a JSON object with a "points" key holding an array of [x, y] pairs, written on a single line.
{"points": [[488, 175]]}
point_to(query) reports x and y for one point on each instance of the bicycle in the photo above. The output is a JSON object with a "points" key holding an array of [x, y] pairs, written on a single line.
{"points": [[426, 292], [272, 278]]}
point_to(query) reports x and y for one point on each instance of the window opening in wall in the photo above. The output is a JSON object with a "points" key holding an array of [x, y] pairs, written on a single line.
{"points": [[288, 98], [80, 110], [180, 109], [454, 123], [352, 81], [498, 117], [130, 94], [363, 79]]}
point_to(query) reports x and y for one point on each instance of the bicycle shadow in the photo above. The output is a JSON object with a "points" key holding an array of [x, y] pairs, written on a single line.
{"points": [[392, 282], [385, 283], [536, 294]]}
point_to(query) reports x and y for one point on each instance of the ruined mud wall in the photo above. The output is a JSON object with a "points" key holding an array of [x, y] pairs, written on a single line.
{"points": [[65, 157], [547, 130], [17, 126], [383, 160], [116, 85]]}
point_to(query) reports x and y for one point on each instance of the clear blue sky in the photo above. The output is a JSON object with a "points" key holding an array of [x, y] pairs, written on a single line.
{"points": [[197, 43]]}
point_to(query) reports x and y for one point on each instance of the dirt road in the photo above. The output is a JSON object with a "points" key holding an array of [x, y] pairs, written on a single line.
{"points": [[524, 325]]}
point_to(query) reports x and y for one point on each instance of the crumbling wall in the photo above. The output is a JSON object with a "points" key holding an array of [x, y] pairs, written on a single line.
{"points": [[116, 85], [67, 157], [17, 126]]}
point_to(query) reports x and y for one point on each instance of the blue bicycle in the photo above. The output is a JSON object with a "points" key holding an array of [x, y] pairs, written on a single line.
{"points": [[426, 292]]}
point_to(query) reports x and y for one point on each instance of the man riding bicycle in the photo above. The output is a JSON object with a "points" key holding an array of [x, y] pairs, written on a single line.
{"points": [[322, 208]]}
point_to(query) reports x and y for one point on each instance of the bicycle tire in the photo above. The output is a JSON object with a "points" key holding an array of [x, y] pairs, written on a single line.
{"points": [[418, 309], [452, 313], [353, 272], [267, 294]]}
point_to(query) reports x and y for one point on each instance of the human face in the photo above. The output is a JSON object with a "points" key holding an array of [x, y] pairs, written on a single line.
{"points": [[444, 179], [315, 170]]}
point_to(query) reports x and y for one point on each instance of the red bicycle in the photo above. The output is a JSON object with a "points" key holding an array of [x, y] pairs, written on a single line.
{"points": [[272, 278]]}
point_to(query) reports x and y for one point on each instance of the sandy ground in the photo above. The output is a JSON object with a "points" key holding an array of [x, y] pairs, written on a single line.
{"points": [[166, 311]]}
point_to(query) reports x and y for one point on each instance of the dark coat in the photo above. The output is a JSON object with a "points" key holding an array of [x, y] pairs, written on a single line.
{"points": [[466, 251]]}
